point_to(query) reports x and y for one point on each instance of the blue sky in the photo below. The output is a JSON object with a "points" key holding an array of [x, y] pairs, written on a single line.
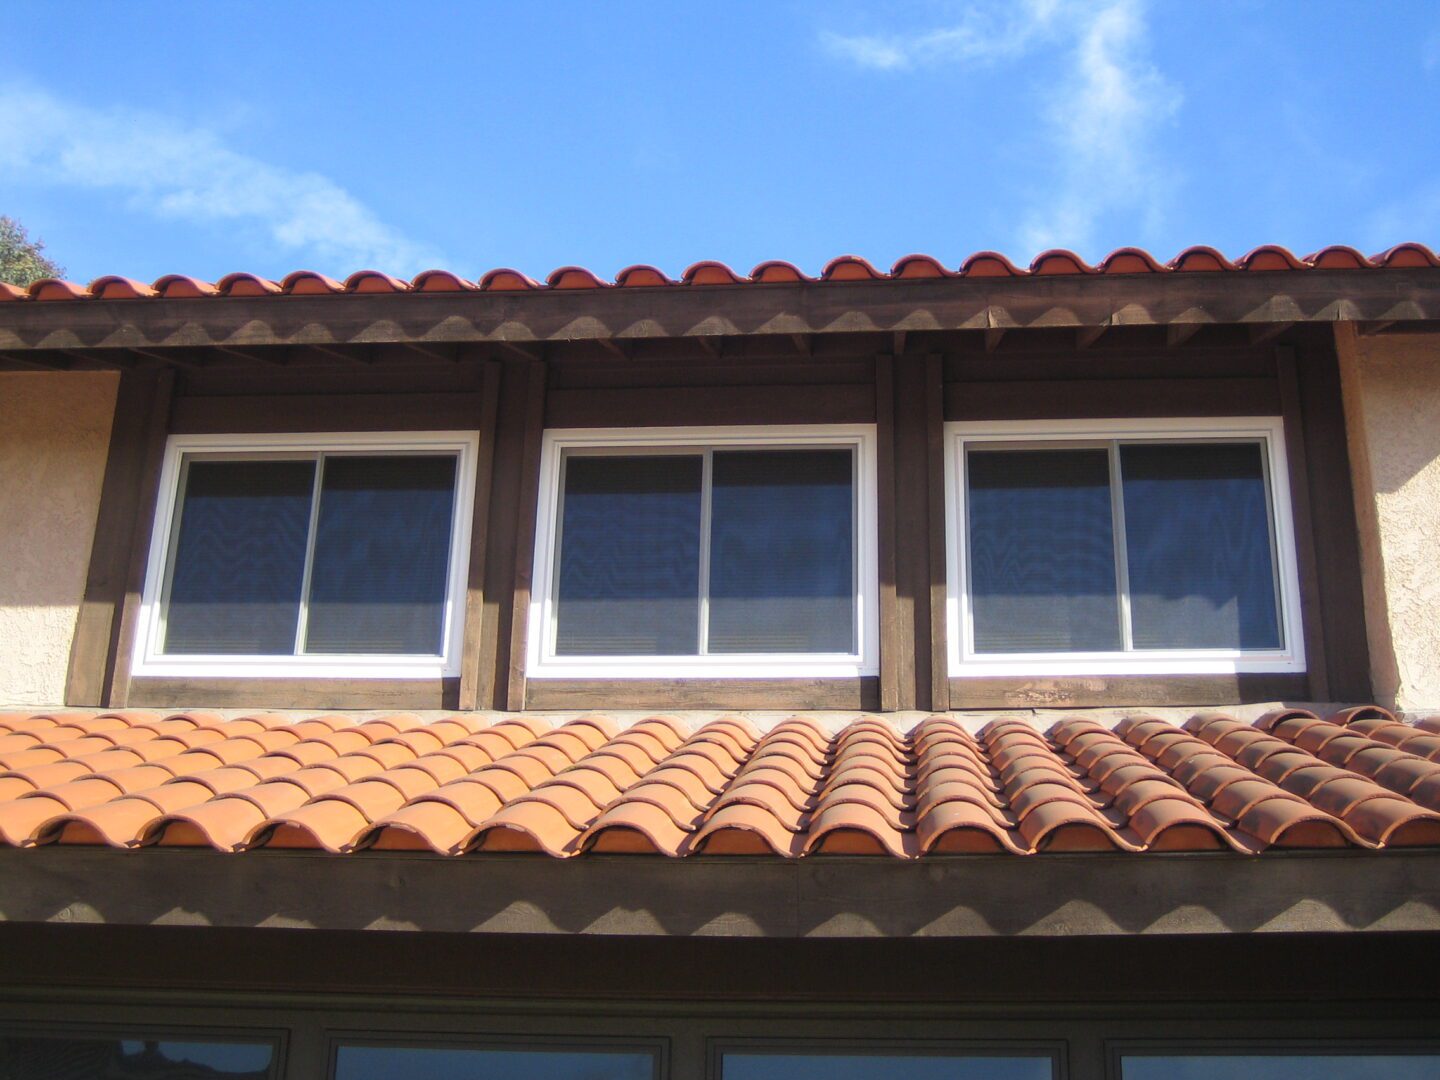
{"points": [[150, 138]]}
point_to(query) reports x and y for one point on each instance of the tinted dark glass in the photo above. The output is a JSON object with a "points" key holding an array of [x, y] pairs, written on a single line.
{"points": [[882, 1067], [390, 1062], [630, 557], [134, 1059], [239, 557], [1283, 1067], [382, 549], [1202, 571], [1042, 551], [782, 551]]}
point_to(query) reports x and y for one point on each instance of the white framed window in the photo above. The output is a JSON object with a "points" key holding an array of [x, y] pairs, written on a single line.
{"points": [[706, 552], [1112, 547], [309, 556]]}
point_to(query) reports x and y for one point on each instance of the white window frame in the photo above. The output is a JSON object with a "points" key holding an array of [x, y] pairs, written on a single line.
{"points": [[1269, 430], [541, 661], [150, 660]]}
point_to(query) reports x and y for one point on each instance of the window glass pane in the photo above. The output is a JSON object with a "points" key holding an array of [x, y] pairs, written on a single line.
{"points": [[630, 556], [239, 557], [1283, 1067], [435, 1063], [883, 1067], [782, 552], [1042, 551], [1202, 572], [100, 1058], [382, 549]]}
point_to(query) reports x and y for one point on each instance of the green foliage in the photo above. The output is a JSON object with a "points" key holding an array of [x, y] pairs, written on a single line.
{"points": [[22, 260]]}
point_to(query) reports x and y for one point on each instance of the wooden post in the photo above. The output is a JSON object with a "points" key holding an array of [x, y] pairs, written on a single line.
{"points": [[890, 644], [479, 538]]}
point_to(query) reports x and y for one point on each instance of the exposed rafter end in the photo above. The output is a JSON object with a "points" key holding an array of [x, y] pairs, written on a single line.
{"points": [[31, 364], [519, 351], [432, 352], [170, 358], [1260, 333], [1177, 334], [274, 357]]}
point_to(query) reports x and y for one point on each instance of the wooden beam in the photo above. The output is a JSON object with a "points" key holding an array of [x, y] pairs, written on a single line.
{"points": [[1260, 333], [993, 336], [898, 344], [433, 353], [525, 534], [1312, 624], [1177, 334], [470, 674], [888, 531], [713, 344], [170, 358], [1379, 326], [804, 344], [937, 532], [1088, 335], [830, 308], [519, 351], [273, 357], [614, 348], [31, 363]]}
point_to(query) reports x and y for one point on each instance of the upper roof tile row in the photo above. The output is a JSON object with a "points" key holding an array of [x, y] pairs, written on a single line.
{"points": [[1359, 779], [1128, 260]]}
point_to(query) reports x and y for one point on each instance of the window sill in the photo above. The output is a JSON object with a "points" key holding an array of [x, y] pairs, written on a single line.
{"points": [[1032, 691], [293, 693], [856, 693]]}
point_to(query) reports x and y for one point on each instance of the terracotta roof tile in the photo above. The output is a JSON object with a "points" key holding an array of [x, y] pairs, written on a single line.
{"points": [[1126, 260], [1359, 779]]}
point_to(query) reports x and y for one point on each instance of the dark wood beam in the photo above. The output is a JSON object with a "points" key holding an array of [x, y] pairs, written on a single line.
{"points": [[829, 309], [1088, 335], [1178, 333], [431, 352], [519, 351], [273, 357], [1261, 333], [898, 344], [713, 345], [169, 358], [993, 336], [614, 348], [32, 363], [804, 344]]}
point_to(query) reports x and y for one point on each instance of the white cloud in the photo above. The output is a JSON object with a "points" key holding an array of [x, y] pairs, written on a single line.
{"points": [[190, 174], [1102, 122], [983, 34], [1099, 117]]}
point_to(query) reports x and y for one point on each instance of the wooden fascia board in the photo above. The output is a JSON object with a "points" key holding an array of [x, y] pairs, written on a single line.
{"points": [[1049, 896], [804, 309]]}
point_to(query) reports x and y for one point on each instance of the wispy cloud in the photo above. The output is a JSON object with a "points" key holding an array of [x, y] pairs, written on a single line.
{"points": [[1100, 116], [189, 174], [981, 34]]}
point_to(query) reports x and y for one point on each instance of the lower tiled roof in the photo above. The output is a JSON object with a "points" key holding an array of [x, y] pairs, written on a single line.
{"points": [[471, 784]]}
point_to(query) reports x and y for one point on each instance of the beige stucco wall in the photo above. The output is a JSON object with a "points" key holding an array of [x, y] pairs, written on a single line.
{"points": [[1391, 384], [54, 432]]}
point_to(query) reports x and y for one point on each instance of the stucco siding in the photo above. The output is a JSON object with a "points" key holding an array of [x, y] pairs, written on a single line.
{"points": [[1392, 412], [54, 434]]}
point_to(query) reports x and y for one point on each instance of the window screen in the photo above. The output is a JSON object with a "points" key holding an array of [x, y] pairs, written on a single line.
{"points": [[1121, 546], [332, 553], [707, 552]]}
